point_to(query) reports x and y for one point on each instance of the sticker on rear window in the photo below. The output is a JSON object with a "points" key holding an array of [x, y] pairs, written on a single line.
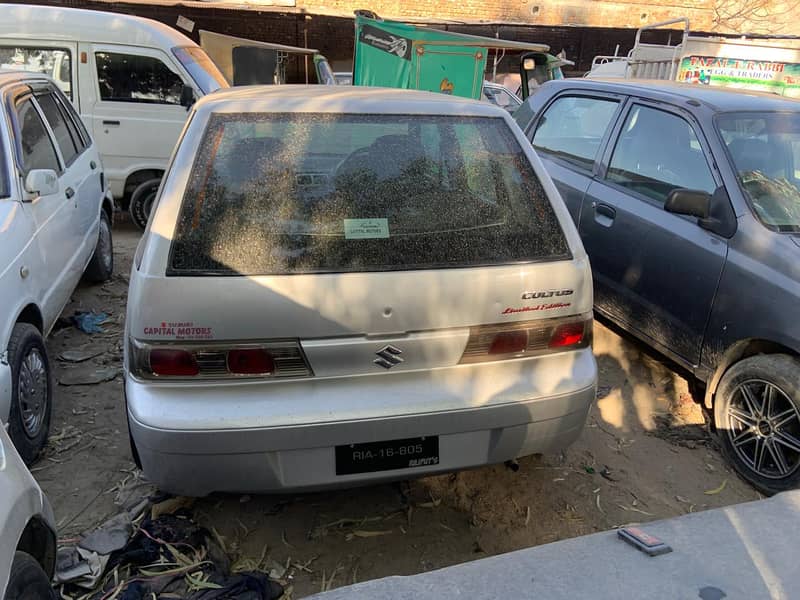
{"points": [[366, 229]]}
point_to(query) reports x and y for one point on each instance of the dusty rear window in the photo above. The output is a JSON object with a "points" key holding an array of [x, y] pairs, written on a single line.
{"points": [[304, 193]]}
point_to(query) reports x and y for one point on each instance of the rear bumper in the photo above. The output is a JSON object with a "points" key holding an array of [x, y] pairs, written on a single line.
{"points": [[191, 457]]}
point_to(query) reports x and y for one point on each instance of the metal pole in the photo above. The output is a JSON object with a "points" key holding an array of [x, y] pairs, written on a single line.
{"points": [[494, 62], [305, 44]]}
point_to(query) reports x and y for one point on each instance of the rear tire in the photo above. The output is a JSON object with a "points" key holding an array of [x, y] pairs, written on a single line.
{"points": [[101, 267], [31, 391], [27, 580], [757, 415], [142, 200]]}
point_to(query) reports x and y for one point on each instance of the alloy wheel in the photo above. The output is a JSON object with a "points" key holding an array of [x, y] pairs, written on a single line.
{"points": [[764, 429]]}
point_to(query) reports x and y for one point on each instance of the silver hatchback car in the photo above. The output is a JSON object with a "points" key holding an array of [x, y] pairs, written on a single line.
{"points": [[346, 285]]}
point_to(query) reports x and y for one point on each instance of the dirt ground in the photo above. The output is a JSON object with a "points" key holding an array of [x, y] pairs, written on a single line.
{"points": [[644, 455]]}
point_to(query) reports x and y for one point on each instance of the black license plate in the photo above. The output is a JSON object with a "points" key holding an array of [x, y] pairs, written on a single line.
{"points": [[386, 456]]}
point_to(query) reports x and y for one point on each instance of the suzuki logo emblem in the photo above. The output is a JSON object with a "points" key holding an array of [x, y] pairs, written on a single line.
{"points": [[388, 357]]}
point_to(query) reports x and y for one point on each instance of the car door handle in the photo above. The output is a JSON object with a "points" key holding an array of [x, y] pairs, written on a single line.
{"points": [[605, 210], [110, 122], [603, 214], [70, 193]]}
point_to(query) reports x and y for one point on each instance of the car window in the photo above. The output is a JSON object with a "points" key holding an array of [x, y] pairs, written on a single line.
{"points": [[524, 115], [765, 150], [500, 97], [135, 78], [68, 146], [74, 122], [37, 147], [55, 62], [573, 127], [304, 193], [658, 152]]}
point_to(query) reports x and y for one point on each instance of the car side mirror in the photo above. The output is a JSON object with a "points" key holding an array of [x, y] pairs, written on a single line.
{"points": [[694, 203], [41, 182], [187, 96]]}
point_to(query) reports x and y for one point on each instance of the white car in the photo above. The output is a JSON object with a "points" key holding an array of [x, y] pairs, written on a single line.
{"points": [[55, 224], [349, 285], [27, 530]]}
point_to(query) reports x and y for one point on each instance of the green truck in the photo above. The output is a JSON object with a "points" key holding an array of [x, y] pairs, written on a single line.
{"points": [[400, 55]]}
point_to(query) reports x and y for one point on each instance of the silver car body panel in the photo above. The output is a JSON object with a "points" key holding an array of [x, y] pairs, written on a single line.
{"points": [[21, 500], [266, 435]]}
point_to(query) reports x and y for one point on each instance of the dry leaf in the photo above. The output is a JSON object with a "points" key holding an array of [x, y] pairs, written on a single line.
{"points": [[716, 490], [366, 534], [597, 501]]}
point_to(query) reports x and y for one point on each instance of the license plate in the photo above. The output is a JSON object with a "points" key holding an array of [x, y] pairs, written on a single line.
{"points": [[387, 456]]}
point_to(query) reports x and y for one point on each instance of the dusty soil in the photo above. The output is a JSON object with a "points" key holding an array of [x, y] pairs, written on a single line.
{"points": [[644, 455]]}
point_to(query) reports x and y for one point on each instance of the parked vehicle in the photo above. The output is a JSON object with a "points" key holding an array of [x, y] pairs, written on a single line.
{"points": [[343, 77], [250, 62], [687, 199], [27, 530], [401, 55], [762, 63], [384, 284], [55, 224], [501, 96], [131, 79]]}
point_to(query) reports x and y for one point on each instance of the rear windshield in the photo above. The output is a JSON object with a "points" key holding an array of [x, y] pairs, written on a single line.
{"points": [[305, 193]]}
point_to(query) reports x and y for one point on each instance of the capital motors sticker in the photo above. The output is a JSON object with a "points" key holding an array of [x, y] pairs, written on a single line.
{"points": [[187, 330]]}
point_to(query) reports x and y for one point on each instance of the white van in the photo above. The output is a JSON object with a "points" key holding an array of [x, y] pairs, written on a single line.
{"points": [[131, 79]]}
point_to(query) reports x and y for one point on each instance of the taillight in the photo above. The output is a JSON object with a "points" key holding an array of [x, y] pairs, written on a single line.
{"points": [[217, 360], [527, 338], [567, 334], [509, 342], [250, 361], [173, 362]]}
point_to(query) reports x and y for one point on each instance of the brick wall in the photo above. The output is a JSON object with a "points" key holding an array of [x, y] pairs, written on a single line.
{"points": [[333, 35], [723, 16], [591, 13]]}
